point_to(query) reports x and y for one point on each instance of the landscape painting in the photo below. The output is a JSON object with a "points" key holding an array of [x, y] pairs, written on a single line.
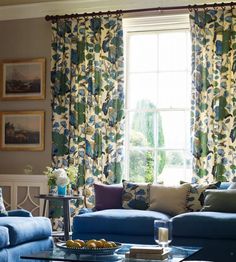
{"points": [[22, 130], [23, 79]]}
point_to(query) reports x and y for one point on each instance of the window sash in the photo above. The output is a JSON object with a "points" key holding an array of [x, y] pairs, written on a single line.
{"points": [[149, 25]]}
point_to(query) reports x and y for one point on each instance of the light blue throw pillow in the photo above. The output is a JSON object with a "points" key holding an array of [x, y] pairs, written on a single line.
{"points": [[3, 211], [232, 186]]}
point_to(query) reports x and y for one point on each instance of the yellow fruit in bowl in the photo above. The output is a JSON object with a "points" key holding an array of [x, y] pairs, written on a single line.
{"points": [[76, 245], [90, 241], [108, 245], [99, 244], [103, 241], [91, 245], [81, 242], [69, 243], [113, 244]]}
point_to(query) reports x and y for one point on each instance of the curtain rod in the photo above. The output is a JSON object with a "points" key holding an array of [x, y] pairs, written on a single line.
{"points": [[120, 12]]}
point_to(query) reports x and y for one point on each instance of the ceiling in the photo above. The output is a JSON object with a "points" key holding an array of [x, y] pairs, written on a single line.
{"points": [[23, 9], [19, 2]]}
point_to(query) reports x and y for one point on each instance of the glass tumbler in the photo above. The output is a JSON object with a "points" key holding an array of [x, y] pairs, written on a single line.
{"points": [[163, 232]]}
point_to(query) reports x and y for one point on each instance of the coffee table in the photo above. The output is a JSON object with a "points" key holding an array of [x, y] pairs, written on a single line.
{"points": [[177, 254]]}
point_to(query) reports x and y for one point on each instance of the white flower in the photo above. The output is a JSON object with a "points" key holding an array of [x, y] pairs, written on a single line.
{"points": [[59, 172], [61, 176], [62, 180]]}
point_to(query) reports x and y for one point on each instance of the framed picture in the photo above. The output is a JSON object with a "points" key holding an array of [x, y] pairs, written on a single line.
{"points": [[22, 79], [22, 130]]}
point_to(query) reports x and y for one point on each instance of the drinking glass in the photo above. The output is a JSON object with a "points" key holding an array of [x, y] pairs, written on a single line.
{"points": [[163, 232]]}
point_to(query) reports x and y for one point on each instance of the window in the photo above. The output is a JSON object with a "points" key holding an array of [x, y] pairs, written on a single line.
{"points": [[157, 100]]}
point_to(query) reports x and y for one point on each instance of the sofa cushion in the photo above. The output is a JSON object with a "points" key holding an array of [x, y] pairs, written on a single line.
{"points": [[108, 196], [25, 229], [3, 211], [232, 186], [211, 225], [225, 185], [167, 199], [195, 199], [117, 221], [4, 237], [135, 195], [220, 201]]}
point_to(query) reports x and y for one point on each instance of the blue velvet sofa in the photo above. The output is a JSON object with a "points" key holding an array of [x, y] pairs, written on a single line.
{"points": [[22, 234], [203, 229]]}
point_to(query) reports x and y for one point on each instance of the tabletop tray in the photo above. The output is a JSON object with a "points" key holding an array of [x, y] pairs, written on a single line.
{"points": [[90, 251]]}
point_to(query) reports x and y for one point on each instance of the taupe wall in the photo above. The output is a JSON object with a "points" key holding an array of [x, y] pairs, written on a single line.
{"points": [[28, 38]]}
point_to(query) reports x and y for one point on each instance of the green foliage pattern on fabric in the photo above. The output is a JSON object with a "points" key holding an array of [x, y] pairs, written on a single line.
{"points": [[213, 118]]}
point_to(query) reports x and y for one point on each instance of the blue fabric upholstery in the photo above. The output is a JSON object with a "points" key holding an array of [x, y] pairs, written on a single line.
{"points": [[124, 222], [24, 229], [3, 255], [22, 234], [15, 252], [210, 225], [136, 226], [224, 185], [119, 238], [4, 237], [19, 213]]}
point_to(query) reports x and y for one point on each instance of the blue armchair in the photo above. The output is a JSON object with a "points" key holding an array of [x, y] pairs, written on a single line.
{"points": [[22, 234]]}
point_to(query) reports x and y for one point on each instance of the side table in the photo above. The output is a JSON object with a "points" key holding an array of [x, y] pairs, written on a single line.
{"points": [[66, 209]]}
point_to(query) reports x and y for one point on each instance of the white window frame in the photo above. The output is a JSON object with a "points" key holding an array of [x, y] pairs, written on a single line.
{"points": [[145, 25]]}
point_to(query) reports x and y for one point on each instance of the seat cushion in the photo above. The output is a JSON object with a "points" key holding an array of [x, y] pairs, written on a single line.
{"points": [[25, 229], [4, 237], [117, 221], [211, 225]]}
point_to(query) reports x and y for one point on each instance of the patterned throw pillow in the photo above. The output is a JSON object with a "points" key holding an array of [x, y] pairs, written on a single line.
{"points": [[195, 199], [3, 211], [135, 195]]}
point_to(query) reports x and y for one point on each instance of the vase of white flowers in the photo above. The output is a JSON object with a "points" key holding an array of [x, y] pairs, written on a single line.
{"points": [[61, 177]]}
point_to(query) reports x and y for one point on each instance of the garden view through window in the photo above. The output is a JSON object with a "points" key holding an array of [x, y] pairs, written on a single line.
{"points": [[158, 86]]}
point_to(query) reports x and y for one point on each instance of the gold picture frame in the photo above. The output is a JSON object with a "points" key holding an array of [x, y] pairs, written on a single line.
{"points": [[22, 130], [22, 79]]}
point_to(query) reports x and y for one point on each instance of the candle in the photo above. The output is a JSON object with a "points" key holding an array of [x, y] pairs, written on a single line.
{"points": [[162, 235]]}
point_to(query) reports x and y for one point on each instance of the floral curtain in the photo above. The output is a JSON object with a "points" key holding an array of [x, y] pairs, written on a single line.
{"points": [[213, 118], [88, 99]]}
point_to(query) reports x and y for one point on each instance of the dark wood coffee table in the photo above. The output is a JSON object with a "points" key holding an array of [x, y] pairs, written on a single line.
{"points": [[57, 254]]}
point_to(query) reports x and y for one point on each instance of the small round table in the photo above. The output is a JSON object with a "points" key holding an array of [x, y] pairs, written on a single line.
{"points": [[66, 209]]}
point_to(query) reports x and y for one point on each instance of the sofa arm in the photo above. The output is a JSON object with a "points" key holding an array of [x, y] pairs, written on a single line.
{"points": [[85, 210], [19, 213]]}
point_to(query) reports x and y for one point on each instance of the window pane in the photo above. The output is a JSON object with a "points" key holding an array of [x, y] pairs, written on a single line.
{"points": [[141, 166], [188, 167], [174, 168], [173, 126], [158, 95], [188, 132], [140, 60], [172, 90], [142, 129], [142, 87], [172, 51]]}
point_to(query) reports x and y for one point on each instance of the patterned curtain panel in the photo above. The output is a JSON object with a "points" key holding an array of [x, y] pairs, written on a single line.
{"points": [[88, 99], [213, 116]]}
